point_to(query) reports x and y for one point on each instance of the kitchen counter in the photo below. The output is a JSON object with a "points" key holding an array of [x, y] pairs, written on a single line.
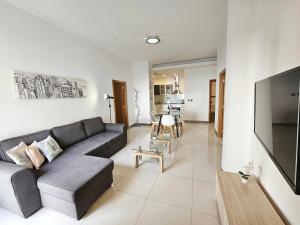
{"points": [[163, 103]]}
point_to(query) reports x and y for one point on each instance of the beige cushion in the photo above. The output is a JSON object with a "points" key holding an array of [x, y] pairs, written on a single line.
{"points": [[18, 155], [49, 148], [34, 154]]}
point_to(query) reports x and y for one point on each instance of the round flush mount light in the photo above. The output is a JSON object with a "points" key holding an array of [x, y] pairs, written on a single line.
{"points": [[152, 40]]}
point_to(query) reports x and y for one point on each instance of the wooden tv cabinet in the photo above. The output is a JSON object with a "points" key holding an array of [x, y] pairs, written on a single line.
{"points": [[243, 204]]}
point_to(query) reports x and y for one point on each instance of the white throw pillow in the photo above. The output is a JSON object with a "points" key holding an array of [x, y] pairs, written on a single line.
{"points": [[18, 155], [49, 148]]}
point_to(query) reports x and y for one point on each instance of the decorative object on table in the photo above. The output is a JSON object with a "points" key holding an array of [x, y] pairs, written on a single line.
{"points": [[108, 97], [247, 172], [37, 85]]}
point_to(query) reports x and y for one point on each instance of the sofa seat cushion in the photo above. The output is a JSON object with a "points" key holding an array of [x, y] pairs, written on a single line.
{"points": [[89, 146], [107, 136], [72, 177], [70, 134]]}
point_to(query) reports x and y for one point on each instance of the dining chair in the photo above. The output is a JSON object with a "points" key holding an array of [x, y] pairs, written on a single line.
{"points": [[168, 122], [180, 124], [179, 116], [154, 122]]}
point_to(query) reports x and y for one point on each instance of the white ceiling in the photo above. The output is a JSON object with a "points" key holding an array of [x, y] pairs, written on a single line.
{"points": [[188, 29]]}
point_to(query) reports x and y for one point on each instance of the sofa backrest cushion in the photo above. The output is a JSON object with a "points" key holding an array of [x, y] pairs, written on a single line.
{"points": [[93, 126], [69, 134], [27, 139], [2, 155]]}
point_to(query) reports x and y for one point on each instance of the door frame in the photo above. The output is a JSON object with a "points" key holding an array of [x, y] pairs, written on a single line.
{"points": [[209, 98], [222, 76], [125, 99]]}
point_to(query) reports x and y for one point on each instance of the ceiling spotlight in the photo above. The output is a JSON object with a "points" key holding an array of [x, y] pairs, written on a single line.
{"points": [[152, 40]]}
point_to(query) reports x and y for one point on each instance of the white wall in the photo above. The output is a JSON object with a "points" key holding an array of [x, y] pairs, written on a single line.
{"points": [[29, 44], [141, 73], [277, 50], [262, 40], [196, 82], [238, 86], [221, 65]]}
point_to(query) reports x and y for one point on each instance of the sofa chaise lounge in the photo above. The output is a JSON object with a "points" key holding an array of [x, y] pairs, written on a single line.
{"points": [[72, 181]]}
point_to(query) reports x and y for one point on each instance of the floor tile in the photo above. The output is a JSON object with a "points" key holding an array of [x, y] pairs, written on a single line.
{"points": [[62, 217], [204, 199], [118, 172], [162, 214], [183, 154], [206, 156], [137, 182], [173, 190], [203, 219], [205, 172], [180, 168], [184, 145], [124, 158], [115, 208], [9, 218], [47, 219]]}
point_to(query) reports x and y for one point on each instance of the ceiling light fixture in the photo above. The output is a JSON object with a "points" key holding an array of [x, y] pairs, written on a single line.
{"points": [[152, 40]]}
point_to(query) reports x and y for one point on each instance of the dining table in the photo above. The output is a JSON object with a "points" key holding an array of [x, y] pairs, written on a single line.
{"points": [[174, 113]]}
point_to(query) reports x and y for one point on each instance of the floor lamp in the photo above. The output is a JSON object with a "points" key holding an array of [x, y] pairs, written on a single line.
{"points": [[106, 96]]}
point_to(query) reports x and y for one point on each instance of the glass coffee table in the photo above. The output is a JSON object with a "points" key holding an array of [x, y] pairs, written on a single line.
{"points": [[153, 148], [164, 137]]}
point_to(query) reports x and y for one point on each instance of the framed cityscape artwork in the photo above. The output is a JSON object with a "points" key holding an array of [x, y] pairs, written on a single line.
{"points": [[36, 85]]}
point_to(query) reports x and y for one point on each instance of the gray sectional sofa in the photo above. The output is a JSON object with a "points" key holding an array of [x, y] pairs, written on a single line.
{"points": [[72, 181]]}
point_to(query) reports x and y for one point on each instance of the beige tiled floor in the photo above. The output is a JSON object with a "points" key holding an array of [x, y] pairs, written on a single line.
{"points": [[184, 194]]}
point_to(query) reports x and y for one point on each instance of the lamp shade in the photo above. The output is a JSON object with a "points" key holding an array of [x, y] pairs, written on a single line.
{"points": [[106, 96]]}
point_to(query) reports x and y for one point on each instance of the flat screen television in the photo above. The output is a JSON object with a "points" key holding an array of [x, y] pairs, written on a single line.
{"points": [[276, 122]]}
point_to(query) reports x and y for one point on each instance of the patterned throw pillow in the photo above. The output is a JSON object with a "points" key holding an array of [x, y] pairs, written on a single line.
{"points": [[18, 155], [34, 154], [49, 148]]}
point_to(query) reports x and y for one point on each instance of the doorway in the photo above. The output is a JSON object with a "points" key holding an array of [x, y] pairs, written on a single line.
{"points": [[221, 103], [212, 100], [120, 100]]}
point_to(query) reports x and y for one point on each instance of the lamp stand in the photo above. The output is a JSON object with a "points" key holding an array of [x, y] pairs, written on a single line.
{"points": [[109, 105]]}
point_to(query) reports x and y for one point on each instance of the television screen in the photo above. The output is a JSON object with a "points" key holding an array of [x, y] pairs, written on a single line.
{"points": [[276, 119]]}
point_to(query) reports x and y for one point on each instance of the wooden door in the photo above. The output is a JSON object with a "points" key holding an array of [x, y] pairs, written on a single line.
{"points": [[221, 103], [120, 100], [212, 100]]}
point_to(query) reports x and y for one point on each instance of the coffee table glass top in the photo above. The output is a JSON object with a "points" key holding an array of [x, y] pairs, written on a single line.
{"points": [[166, 137], [152, 145]]}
